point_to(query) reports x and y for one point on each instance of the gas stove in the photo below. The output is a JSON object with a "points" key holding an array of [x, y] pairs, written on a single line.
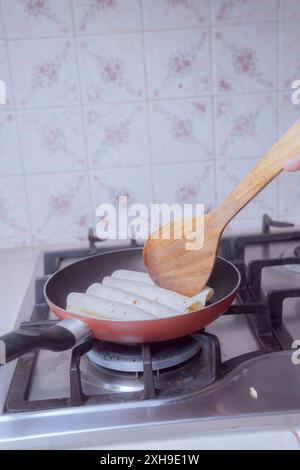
{"points": [[238, 373]]}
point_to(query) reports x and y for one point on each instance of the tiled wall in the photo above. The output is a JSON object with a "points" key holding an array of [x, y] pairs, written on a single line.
{"points": [[165, 100]]}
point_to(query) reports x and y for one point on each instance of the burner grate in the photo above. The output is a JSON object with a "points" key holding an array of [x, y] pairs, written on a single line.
{"points": [[207, 368], [264, 316]]}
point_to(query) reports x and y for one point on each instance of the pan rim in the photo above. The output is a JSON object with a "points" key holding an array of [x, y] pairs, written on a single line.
{"points": [[206, 309]]}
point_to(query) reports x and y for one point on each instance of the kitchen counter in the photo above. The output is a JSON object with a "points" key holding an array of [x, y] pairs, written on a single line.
{"points": [[16, 268]]}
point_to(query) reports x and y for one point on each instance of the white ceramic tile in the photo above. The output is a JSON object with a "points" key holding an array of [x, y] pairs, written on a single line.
{"points": [[230, 173], [289, 54], [178, 63], [185, 183], [44, 72], [240, 224], [289, 112], [52, 140], [173, 14], [289, 195], [245, 58], [13, 208], [244, 11], [5, 75], [289, 10], [246, 126], [109, 184], [59, 203], [181, 130], [37, 18], [107, 16], [65, 238], [117, 135], [10, 161], [15, 242], [112, 68]]}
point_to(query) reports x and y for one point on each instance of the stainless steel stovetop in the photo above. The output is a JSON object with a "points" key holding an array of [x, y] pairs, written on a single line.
{"points": [[237, 374]]}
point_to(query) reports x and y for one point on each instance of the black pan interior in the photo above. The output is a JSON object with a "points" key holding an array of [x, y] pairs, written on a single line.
{"points": [[80, 275]]}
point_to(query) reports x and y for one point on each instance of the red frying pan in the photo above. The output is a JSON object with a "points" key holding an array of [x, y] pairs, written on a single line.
{"points": [[225, 280]]}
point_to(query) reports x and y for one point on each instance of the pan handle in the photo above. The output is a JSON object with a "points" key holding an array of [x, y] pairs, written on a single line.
{"points": [[64, 335]]}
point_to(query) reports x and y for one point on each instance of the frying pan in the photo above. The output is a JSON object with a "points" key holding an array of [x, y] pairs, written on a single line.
{"points": [[225, 280]]}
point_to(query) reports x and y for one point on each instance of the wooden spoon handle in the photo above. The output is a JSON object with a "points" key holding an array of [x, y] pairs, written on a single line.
{"points": [[262, 174]]}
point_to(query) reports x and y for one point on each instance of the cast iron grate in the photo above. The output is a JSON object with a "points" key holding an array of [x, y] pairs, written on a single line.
{"points": [[265, 318]]}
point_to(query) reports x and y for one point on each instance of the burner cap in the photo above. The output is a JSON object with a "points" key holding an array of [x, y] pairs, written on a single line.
{"points": [[127, 358]]}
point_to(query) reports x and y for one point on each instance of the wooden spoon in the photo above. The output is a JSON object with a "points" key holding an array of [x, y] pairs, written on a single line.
{"points": [[174, 267]]}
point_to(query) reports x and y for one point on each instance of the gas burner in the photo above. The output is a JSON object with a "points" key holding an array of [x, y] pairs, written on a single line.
{"points": [[129, 358], [97, 379], [179, 366]]}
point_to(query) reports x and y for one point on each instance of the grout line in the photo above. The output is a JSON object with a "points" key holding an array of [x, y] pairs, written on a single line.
{"points": [[153, 196], [137, 165], [75, 171], [185, 162], [213, 113], [279, 10], [143, 30], [82, 119], [82, 106], [278, 100], [156, 100]]}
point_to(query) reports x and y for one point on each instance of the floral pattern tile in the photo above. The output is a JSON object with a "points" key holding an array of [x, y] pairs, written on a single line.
{"points": [[14, 219], [37, 18], [173, 14], [178, 63], [244, 11], [107, 16], [44, 72], [289, 195], [230, 173], [289, 10], [110, 185], [289, 53], [185, 183], [59, 203], [289, 112], [245, 58], [5, 75], [52, 140], [112, 69], [246, 126], [128, 128], [181, 130], [10, 161], [117, 135]]}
